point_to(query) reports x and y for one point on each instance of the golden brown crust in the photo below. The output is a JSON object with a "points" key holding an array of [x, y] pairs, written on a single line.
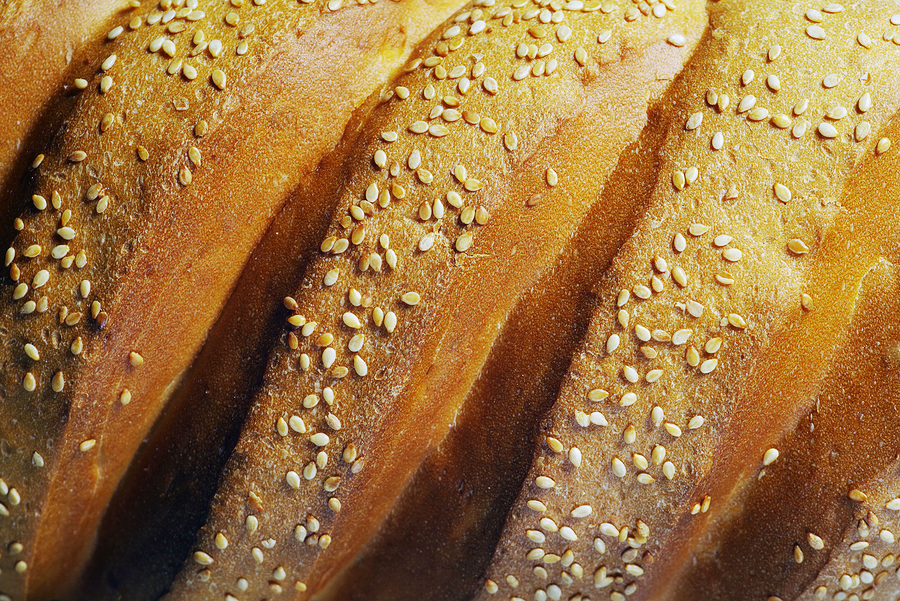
{"points": [[442, 531], [621, 499], [842, 435], [164, 499], [43, 46], [524, 363], [473, 134], [156, 235]]}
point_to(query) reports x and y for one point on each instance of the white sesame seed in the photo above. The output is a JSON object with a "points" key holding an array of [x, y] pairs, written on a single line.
{"points": [[582, 511], [827, 130], [544, 482], [677, 40], [668, 469], [694, 121], [815, 32], [575, 456], [552, 177], [857, 495]]}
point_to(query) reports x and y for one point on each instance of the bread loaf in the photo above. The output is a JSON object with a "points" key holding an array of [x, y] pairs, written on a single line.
{"points": [[134, 238], [443, 185], [698, 387], [593, 300], [41, 45]]}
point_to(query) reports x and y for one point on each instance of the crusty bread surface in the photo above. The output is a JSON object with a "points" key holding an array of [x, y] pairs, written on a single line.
{"points": [[524, 299], [194, 125], [447, 189]]}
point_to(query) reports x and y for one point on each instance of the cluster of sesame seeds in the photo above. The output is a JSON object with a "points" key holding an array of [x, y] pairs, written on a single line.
{"points": [[419, 198], [862, 565], [63, 261], [596, 419]]}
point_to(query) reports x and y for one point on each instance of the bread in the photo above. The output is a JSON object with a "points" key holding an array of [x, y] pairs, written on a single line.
{"points": [[36, 81], [131, 193], [616, 326]]}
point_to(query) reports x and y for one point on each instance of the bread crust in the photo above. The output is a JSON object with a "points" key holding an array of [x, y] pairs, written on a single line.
{"points": [[742, 338], [465, 184], [135, 186]]}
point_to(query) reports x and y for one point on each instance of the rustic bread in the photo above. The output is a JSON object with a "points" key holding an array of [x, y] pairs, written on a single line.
{"points": [[675, 456], [595, 300], [141, 214], [466, 181], [42, 45]]}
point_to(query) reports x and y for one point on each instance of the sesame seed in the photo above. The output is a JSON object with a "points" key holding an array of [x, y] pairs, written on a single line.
{"points": [[536, 505], [360, 366], [219, 79], [815, 32], [544, 482], [293, 479], [411, 298], [798, 247], [747, 103], [668, 470], [598, 394], [351, 321], [698, 229], [758, 114], [32, 352], [672, 429], [677, 40], [135, 359], [781, 121], [87, 445], [694, 121], [782, 192], [581, 56], [582, 511], [882, 147], [732, 254], [552, 177], [827, 130], [857, 495], [815, 541], [40, 278], [831, 80]]}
